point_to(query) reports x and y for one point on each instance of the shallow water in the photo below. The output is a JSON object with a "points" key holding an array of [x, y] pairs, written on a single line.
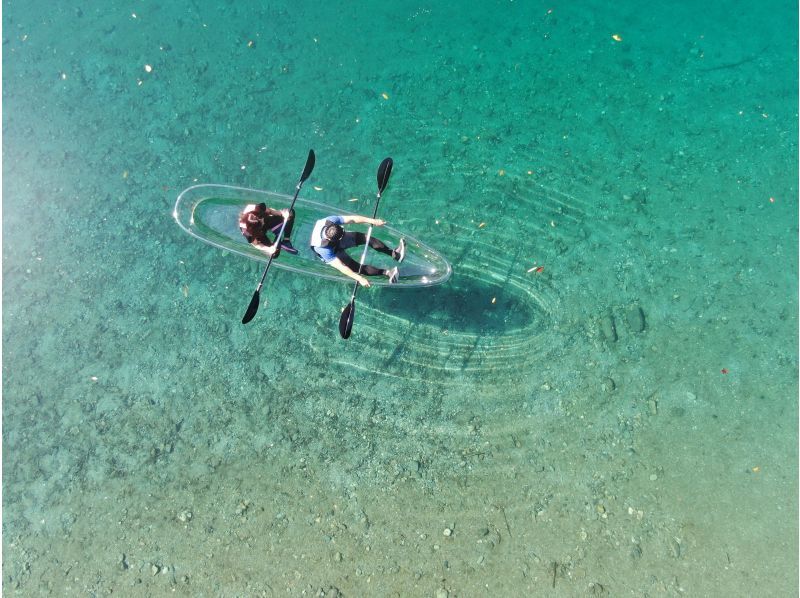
{"points": [[492, 436]]}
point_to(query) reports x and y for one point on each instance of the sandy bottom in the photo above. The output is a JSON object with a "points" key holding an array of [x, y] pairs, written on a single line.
{"points": [[621, 422]]}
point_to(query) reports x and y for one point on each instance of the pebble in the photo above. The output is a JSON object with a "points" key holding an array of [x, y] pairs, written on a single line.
{"points": [[442, 593], [634, 316], [652, 406], [608, 328], [447, 532], [653, 477], [675, 547]]}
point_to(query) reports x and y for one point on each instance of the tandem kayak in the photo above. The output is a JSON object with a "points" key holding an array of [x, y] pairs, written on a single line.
{"points": [[211, 213]]}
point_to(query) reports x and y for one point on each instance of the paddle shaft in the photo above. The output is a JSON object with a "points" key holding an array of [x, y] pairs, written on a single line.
{"points": [[348, 313], [252, 308], [366, 247], [279, 238]]}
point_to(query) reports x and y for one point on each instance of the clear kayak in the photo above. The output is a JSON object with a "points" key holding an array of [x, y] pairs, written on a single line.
{"points": [[211, 213]]}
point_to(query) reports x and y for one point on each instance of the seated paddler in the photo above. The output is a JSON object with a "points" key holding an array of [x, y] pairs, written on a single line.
{"points": [[330, 240], [257, 222]]}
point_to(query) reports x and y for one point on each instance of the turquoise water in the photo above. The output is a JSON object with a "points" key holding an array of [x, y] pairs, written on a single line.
{"points": [[623, 422]]}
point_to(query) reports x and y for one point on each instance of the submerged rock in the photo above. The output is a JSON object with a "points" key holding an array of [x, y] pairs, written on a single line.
{"points": [[608, 328], [634, 316]]}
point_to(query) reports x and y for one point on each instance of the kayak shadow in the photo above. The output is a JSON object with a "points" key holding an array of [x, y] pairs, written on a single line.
{"points": [[465, 305]]}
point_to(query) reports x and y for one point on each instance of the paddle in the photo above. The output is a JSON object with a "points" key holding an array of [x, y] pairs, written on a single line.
{"points": [[348, 313], [256, 300]]}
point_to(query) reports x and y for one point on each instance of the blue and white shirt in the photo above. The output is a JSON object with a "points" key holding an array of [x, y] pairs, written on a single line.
{"points": [[328, 254]]}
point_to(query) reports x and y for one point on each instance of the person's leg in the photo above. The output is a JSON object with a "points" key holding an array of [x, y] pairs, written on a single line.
{"points": [[366, 269], [377, 245], [286, 242], [287, 233], [276, 224]]}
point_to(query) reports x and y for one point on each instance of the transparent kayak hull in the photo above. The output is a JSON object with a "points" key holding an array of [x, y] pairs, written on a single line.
{"points": [[211, 213]]}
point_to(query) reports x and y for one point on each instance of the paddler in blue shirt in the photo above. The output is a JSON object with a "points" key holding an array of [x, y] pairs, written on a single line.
{"points": [[329, 241], [256, 220]]}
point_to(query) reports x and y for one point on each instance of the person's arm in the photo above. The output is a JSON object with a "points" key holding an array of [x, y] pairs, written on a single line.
{"points": [[280, 213], [355, 219], [268, 249], [339, 265]]}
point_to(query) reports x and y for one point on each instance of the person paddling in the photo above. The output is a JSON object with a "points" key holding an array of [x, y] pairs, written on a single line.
{"points": [[329, 241], [256, 220]]}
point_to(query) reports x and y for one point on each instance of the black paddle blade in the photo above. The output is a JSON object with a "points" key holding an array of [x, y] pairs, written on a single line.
{"points": [[384, 170], [309, 166], [346, 321], [252, 308]]}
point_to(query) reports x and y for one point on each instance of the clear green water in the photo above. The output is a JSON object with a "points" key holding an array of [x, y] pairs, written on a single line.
{"points": [[482, 438]]}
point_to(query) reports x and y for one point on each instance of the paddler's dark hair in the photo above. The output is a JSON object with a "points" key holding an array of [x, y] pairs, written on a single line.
{"points": [[333, 233]]}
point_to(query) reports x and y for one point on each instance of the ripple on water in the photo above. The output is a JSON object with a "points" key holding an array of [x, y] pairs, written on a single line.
{"points": [[496, 315], [483, 320]]}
